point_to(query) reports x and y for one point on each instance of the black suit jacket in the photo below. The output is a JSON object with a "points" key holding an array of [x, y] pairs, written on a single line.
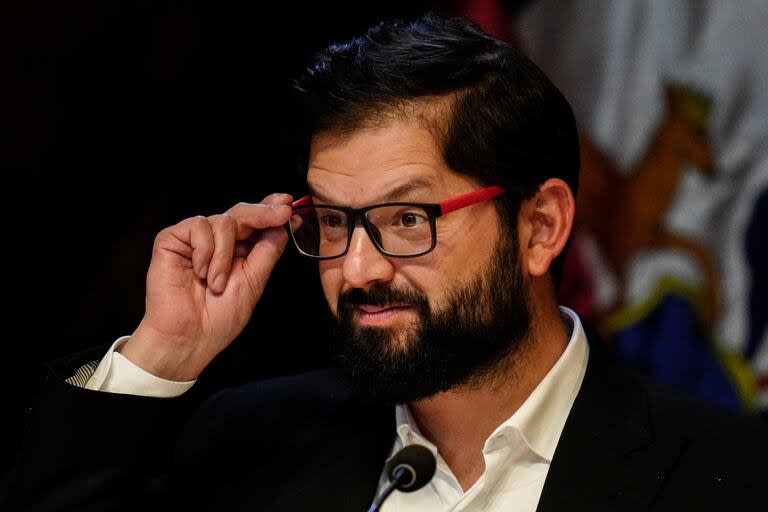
{"points": [[310, 442]]}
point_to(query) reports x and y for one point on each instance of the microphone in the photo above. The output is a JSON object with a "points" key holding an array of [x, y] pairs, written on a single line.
{"points": [[408, 470]]}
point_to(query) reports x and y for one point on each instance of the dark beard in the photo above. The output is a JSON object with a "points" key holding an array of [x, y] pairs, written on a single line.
{"points": [[468, 342]]}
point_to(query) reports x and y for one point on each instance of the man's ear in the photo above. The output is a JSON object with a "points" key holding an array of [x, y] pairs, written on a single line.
{"points": [[546, 221]]}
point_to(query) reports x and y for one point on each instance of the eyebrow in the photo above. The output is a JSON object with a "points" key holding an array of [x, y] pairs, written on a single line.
{"points": [[396, 193]]}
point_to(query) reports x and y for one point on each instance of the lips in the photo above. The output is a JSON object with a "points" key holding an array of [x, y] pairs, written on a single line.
{"points": [[371, 309], [380, 316]]}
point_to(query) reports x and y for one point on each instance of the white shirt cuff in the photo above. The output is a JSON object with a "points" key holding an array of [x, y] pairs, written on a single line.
{"points": [[116, 374]]}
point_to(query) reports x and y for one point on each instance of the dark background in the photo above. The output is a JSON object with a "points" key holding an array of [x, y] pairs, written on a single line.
{"points": [[118, 119], [122, 118]]}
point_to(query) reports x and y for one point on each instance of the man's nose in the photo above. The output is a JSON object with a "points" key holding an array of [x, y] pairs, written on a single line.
{"points": [[364, 265]]}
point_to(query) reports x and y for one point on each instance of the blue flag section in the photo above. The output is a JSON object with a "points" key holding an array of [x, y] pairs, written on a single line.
{"points": [[669, 344]]}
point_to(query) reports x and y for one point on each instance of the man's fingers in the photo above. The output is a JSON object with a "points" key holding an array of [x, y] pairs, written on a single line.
{"points": [[277, 198], [224, 228], [250, 217], [190, 239], [213, 242], [202, 243]]}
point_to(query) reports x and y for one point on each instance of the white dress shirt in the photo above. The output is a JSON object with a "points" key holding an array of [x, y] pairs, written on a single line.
{"points": [[517, 454], [117, 374]]}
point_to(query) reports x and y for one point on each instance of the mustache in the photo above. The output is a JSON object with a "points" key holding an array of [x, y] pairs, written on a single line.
{"points": [[381, 295]]}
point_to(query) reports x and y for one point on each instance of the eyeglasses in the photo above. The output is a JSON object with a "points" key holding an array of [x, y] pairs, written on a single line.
{"points": [[399, 230]]}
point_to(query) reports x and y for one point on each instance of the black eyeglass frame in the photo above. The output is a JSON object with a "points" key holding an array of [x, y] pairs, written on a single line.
{"points": [[432, 210], [358, 217]]}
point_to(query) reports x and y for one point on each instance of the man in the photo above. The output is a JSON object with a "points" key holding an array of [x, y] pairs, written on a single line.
{"points": [[442, 167]]}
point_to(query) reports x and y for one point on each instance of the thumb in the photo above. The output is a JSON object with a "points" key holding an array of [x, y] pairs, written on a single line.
{"points": [[263, 257]]}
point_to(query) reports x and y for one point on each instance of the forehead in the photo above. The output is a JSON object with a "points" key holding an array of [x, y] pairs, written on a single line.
{"points": [[368, 165]]}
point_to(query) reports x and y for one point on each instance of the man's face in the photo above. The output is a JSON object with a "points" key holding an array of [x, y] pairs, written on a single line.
{"points": [[412, 327]]}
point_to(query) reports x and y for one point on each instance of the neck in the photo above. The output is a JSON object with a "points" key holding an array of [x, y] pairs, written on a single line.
{"points": [[442, 418]]}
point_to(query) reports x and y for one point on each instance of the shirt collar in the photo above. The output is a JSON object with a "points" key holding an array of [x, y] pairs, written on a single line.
{"points": [[541, 418], [408, 431]]}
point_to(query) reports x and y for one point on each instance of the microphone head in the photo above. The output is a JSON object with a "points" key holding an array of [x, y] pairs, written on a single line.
{"points": [[418, 463]]}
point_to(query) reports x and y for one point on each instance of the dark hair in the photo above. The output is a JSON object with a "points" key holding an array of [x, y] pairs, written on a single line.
{"points": [[503, 123]]}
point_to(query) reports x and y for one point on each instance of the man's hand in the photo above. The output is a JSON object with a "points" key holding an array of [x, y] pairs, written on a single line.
{"points": [[205, 277]]}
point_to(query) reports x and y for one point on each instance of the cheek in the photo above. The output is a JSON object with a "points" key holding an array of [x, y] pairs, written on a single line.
{"points": [[462, 253], [425, 275]]}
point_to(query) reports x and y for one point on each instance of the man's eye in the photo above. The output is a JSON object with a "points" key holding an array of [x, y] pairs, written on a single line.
{"points": [[332, 221], [410, 219]]}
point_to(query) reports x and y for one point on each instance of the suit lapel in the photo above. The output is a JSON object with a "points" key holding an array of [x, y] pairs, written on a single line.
{"points": [[358, 473], [342, 470], [606, 458]]}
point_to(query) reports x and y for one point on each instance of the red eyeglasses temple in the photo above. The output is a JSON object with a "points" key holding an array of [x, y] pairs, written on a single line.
{"points": [[476, 196], [304, 201], [447, 206]]}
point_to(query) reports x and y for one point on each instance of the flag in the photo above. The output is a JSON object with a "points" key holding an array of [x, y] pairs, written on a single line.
{"points": [[672, 106]]}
